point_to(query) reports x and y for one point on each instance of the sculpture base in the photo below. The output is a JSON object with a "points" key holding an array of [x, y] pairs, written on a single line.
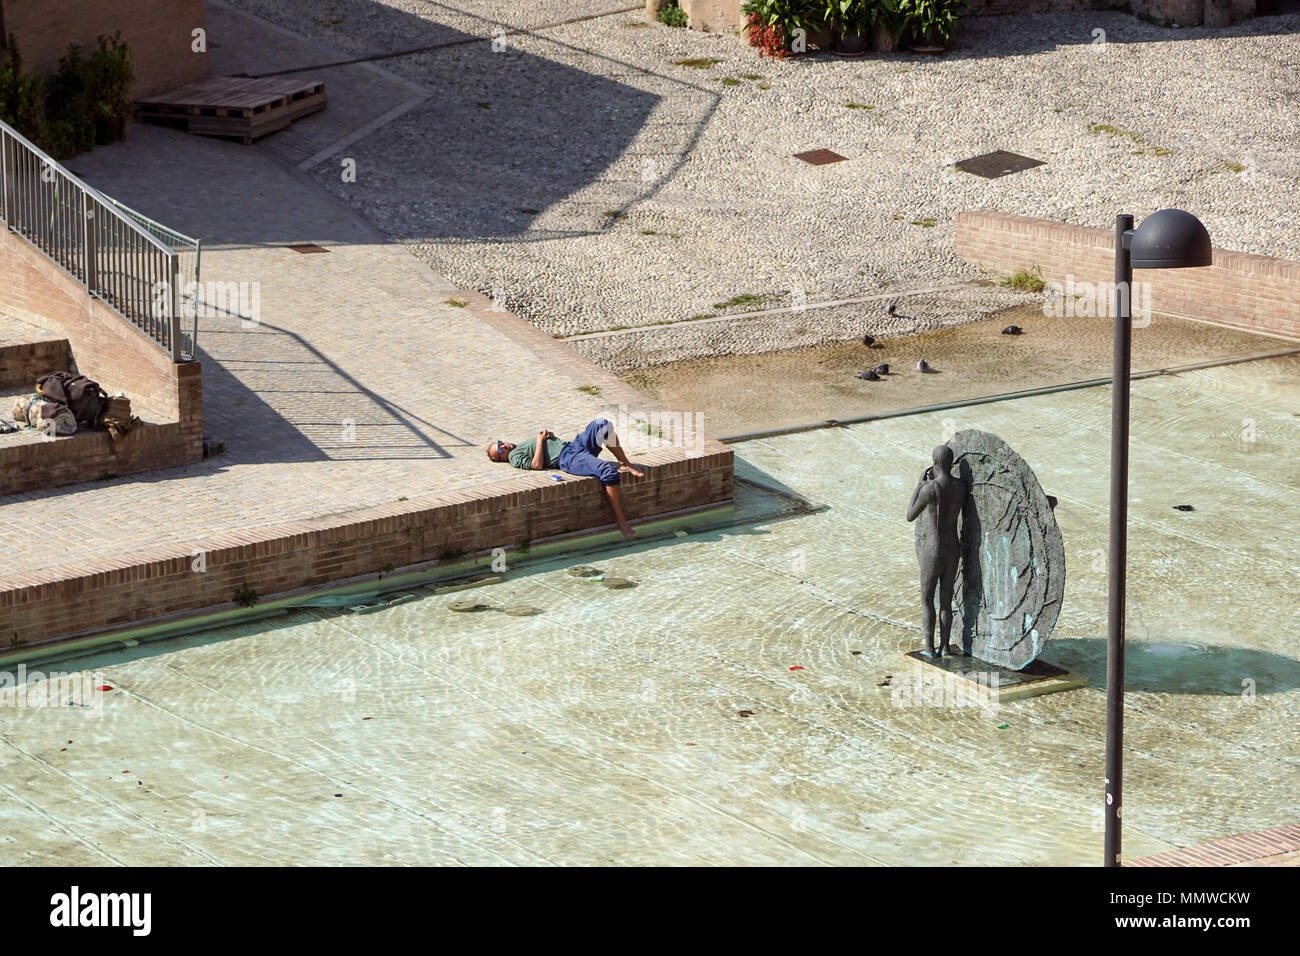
{"points": [[1000, 683]]}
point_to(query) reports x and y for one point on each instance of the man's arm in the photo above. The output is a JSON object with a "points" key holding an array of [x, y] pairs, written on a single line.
{"points": [[539, 453]]}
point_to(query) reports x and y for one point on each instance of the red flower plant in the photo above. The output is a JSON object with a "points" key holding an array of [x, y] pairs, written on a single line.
{"points": [[770, 40]]}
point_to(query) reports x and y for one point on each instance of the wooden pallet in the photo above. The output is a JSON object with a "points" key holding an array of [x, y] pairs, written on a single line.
{"points": [[243, 108]]}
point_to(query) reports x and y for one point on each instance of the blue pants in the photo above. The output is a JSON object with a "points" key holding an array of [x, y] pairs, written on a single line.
{"points": [[582, 455]]}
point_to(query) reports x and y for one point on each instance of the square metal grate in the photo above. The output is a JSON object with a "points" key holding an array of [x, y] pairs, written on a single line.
{"points": [[820, 157], [306, 247], [998, 163]]}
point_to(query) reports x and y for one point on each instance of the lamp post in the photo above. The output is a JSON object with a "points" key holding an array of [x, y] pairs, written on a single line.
{"points": [[1168, 239]]}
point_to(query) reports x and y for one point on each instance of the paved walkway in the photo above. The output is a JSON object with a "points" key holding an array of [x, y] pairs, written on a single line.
{"points": [[1277, 846], [360, 385]]}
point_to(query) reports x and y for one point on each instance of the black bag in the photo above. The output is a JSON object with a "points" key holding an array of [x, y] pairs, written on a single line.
{"points": [[84, 397]]}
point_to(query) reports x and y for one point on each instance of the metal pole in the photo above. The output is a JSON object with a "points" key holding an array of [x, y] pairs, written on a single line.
{"points": [[1119, 419], [90, 245], [174, 332], [6, 165]]}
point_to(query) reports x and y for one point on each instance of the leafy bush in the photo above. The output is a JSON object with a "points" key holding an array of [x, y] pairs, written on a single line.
{"points": [[22, 95], [931, 21], [69, 122], [86, 100], [672, 16], [858, 16], [773, 22], [110, 73]]}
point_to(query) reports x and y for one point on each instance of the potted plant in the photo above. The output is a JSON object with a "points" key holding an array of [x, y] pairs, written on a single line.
{"points": [[844, 19], [884, 23], [931, 24], [110, 75], [772, 23]]}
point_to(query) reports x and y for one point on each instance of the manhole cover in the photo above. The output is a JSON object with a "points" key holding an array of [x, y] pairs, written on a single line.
{"points": [[998, 163], [305, 247], [820, 157]]}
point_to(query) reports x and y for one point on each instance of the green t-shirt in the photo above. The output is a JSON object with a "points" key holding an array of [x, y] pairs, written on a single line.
{"points": [[521, 456]]}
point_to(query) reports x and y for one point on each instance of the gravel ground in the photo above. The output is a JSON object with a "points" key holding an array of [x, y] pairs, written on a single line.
{"points": [[594, 183]]}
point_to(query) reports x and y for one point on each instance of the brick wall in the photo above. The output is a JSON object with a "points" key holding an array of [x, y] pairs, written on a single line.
{"points": [[63, 602], [22, 364], [158, 32], [1241, 290], [86, 456]]}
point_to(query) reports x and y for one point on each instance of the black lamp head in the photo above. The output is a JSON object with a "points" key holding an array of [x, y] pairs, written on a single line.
{"points": [[1170, 239]]}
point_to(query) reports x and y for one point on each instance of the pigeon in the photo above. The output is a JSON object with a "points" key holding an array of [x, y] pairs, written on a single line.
{"points": [[868, 340], [890, 306], [923, 366], [882, 368], [1013, 330], [869, 374]]}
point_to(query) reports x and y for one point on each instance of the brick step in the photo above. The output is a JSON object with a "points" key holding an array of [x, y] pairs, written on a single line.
{"points": [[27, 353]]}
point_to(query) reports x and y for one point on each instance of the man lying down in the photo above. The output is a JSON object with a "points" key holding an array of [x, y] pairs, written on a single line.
{"points": [[578, 457]]}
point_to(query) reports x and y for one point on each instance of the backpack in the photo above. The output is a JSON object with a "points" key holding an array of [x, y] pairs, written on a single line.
{"points": [[84, 397]]}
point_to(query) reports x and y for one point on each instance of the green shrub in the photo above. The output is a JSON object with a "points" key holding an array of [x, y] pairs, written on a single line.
{"points": [[1026, 280], [110, 73], [931, 21], [69, 121], [672, 16], [22, 94], [85, 101]]}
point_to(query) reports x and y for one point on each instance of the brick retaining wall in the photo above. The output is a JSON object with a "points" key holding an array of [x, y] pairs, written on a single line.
{"points": [[21, 364], [1240, 290], [122, 590]]}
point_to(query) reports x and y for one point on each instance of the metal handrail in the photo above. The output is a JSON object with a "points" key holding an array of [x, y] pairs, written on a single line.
{"points": [[146, 272]]}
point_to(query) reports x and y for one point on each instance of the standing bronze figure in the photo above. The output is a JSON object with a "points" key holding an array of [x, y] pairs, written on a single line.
{"points": [[938, 500]]}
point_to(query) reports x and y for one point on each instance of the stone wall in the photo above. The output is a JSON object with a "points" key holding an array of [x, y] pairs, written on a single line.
{"points": [[1240, 290]]}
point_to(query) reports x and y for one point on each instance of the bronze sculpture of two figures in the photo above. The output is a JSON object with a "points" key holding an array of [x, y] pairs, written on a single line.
{"points": [[989, 550]]}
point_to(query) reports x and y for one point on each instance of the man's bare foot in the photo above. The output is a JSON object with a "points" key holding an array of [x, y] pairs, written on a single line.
{"points": [[627, 529], [632, 470]]}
